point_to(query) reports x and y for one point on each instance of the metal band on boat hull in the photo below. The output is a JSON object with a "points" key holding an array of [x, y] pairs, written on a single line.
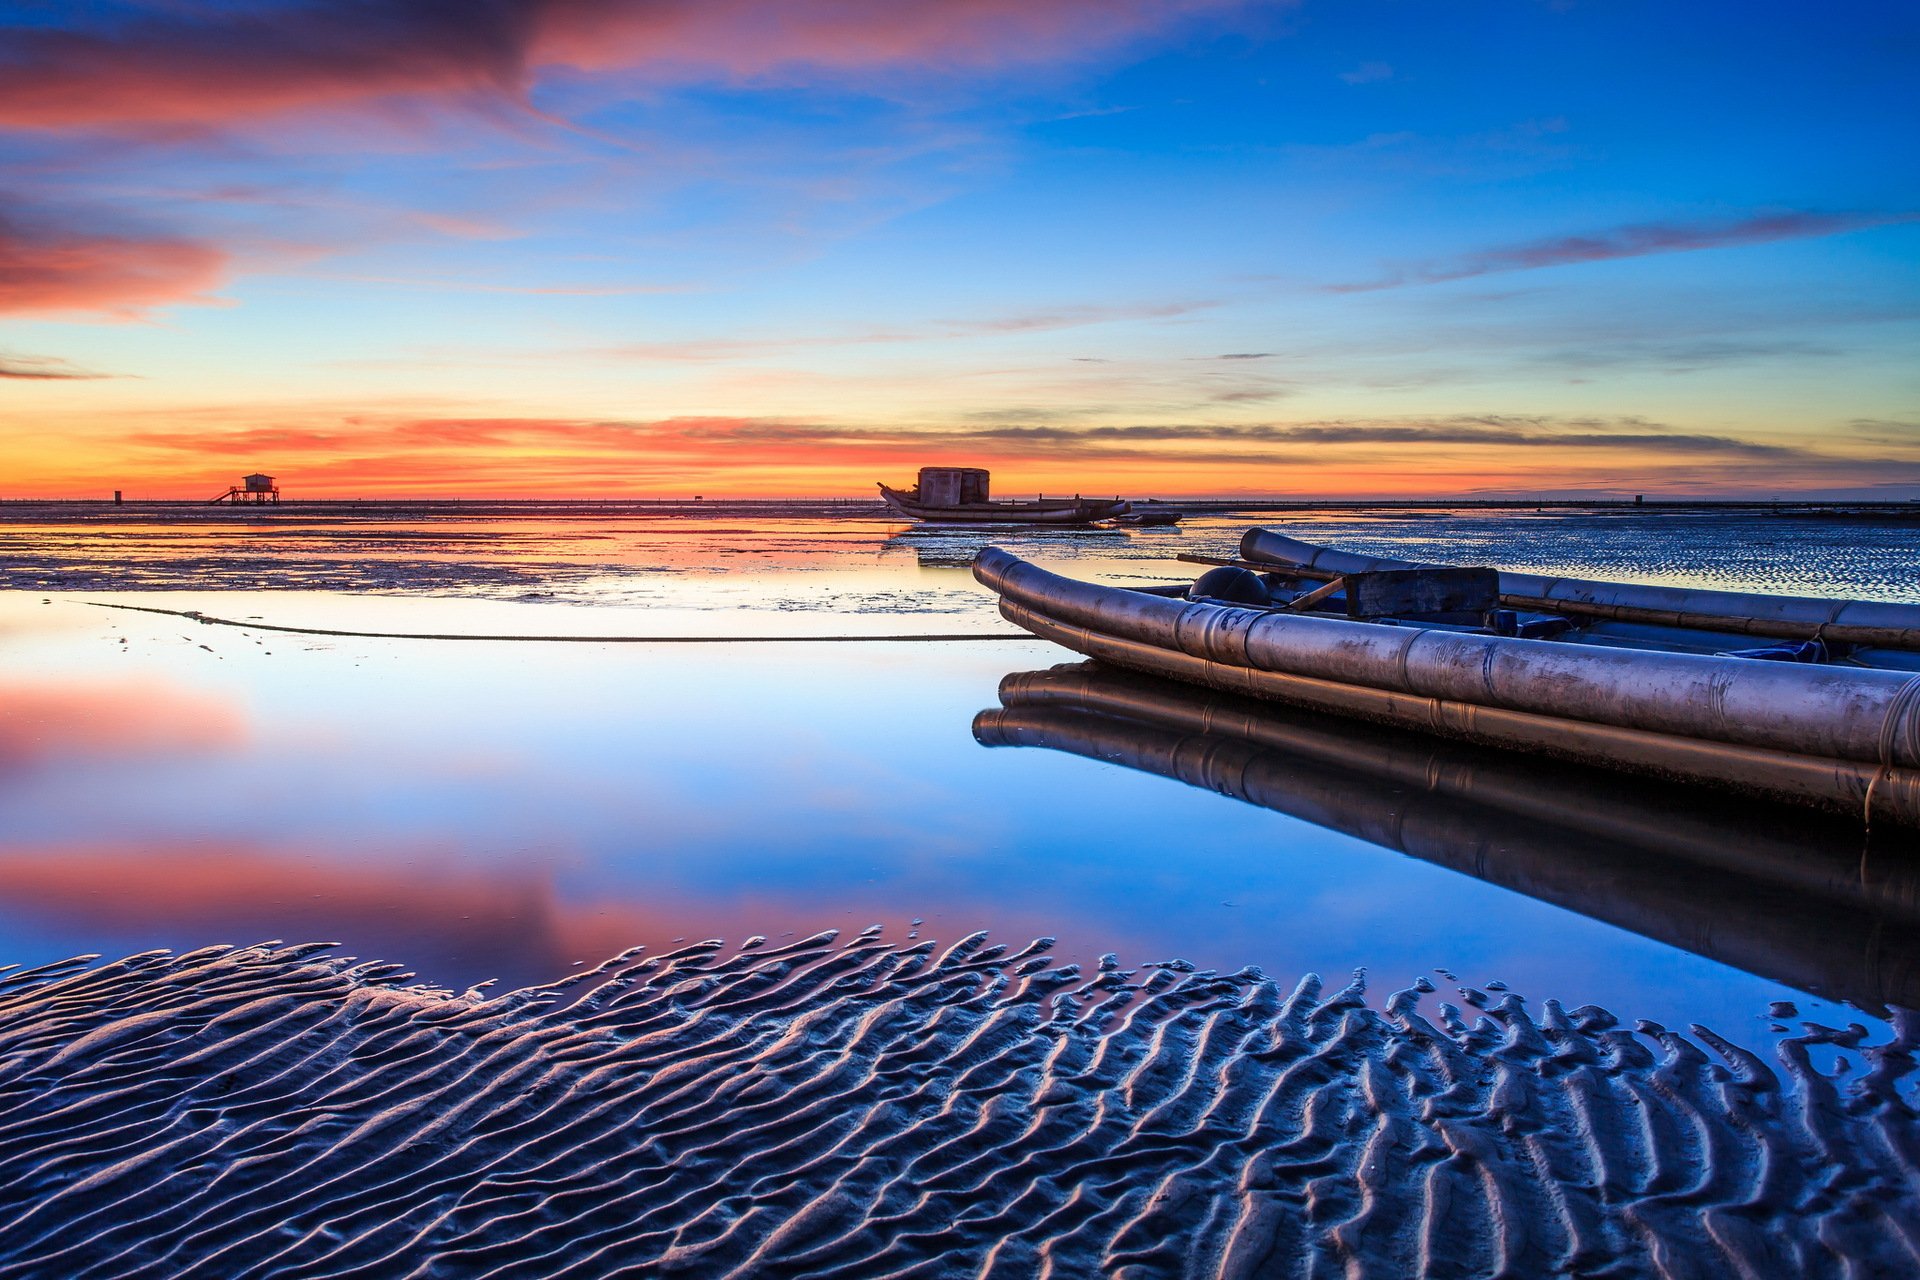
{"points": [[1866, 622]]}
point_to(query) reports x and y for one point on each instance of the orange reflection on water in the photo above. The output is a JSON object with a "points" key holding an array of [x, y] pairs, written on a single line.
{"points": [[426, 908], [109, 717]]}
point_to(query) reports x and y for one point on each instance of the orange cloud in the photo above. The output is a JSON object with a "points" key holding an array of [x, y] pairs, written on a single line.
{"points": [[44, 270], [400, 456]]}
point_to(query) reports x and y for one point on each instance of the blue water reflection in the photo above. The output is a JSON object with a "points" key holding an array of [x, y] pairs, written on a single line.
{"points": [[501, 810]]}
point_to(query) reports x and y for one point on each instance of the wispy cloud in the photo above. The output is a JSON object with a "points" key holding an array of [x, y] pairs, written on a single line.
{"points": [[584, 444], [481, 286], [1368, 73], [45, 369], [1886, 431], [426, 449], [307, 77], [1634, 241], [1626, 434], [221, 65], [50, 267], [1038, 321], [1677, 356]]}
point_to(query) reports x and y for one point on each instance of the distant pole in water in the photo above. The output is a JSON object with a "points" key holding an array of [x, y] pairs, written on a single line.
{"points": [[116, 498], [1639, 499]]}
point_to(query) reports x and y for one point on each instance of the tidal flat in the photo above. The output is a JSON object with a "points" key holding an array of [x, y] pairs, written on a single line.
{"points": [[1161, 1081]]}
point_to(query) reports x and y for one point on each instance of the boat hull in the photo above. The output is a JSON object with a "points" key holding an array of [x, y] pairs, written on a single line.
{"points": [[1039, 511], [1841, 739]]}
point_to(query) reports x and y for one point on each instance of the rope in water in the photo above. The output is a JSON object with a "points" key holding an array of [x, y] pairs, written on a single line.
{"points": [[194, 615]]}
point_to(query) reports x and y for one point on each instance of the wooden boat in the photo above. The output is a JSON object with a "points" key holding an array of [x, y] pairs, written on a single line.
{"points": [[1786, 893], [1660, 681], [958, 495]]}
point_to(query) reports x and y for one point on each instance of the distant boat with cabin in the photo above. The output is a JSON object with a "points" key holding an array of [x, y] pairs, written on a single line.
{"points": [[959, 495]]}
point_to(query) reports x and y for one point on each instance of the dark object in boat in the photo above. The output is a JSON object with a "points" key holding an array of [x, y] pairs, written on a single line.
{"points": [[1865, 622], [959, 495], [1416, 593], [1235, 586], [1784, 893], [1843, 735]]}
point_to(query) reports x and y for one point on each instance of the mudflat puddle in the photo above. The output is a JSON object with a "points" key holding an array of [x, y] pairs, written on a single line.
{"points": [[509, 810]]}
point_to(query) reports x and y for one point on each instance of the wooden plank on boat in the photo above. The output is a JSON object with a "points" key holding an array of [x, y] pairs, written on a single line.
{"points": [[1410, 593], [1315, 596]]}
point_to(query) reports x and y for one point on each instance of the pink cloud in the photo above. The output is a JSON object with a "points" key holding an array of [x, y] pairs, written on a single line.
{"points": [[205, 67], [49, 271]]}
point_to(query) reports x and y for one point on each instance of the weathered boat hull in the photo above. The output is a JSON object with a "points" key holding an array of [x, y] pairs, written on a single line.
{"points": [[1788, 895], [1038, 511], [1843, 739]]}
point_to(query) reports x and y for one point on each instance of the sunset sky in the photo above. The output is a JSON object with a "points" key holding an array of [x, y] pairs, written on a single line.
{"points": [[661, 247]]}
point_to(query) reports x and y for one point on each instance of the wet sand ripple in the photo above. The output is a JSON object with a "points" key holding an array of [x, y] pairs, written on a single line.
{"points": [[821, 1108]]}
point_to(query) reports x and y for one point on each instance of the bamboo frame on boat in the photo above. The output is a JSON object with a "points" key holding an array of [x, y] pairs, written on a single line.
{"points": [[1864, 622]]}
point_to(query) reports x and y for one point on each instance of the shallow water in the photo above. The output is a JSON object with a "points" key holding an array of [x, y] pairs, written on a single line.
{"points": [[494, 809]]}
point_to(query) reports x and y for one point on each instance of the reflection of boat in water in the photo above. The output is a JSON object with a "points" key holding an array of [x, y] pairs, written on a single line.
{"points": [[1777, 891], [1825, 711], [959, 495], [936, 546], [1149, 515]]}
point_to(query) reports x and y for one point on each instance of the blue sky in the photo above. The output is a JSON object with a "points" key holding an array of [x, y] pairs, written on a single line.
{"points": [[1315, 248]]}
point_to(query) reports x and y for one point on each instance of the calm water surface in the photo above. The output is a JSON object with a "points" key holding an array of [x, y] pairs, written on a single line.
{"points": [[509, 810]]}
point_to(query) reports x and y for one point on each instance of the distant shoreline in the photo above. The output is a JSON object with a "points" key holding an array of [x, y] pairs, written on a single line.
{"points": [[11, 507]]}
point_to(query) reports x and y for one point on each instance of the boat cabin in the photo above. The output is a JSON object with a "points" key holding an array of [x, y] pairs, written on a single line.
{"points": [[951, 486]]}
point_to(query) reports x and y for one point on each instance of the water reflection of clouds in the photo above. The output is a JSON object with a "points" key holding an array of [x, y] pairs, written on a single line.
{"points": [[111, 719], [424, 906], [485, 809]]}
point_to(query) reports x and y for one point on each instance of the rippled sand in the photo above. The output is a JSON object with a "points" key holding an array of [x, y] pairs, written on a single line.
{"points": [[870, 1109]]}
